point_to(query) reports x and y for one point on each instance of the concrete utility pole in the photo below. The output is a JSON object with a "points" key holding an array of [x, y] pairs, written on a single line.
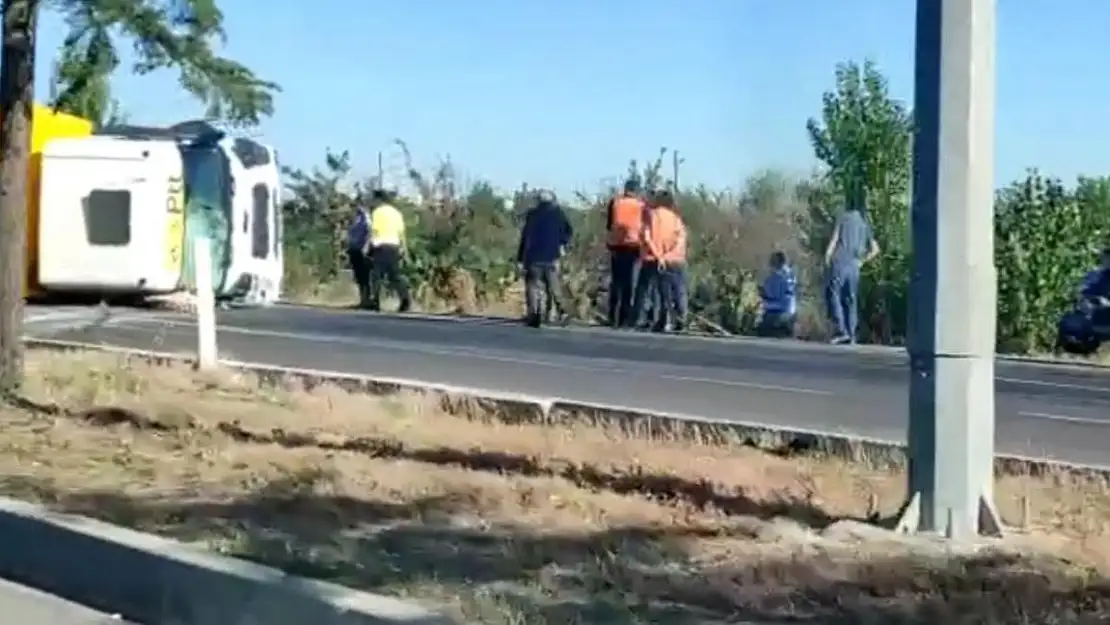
{"points": [[953, 293]]}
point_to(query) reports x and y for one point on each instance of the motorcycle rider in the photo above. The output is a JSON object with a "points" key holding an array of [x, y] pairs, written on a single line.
{"points": [[1096, 290], [1082, 330], [1096, 284]]}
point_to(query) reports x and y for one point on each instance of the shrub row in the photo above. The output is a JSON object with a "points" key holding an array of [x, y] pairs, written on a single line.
{"points": [[463, 240]]}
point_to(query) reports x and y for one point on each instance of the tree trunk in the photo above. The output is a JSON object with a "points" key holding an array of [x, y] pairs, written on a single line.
{"points": [[17, 92]]}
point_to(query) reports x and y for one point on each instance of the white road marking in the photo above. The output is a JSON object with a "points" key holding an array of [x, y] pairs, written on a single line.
{"points": [[470, 353], [39, 317], [1060, 385], [1065, 418], [766, 387], [157, 317]]}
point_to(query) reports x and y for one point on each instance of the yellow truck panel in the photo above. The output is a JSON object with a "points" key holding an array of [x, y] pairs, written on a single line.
{"points": [[46, 124]]}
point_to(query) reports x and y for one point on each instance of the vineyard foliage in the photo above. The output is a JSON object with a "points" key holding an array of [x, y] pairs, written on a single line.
{"points": [[463, 238]]}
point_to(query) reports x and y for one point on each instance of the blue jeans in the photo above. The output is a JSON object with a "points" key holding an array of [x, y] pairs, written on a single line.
{"points": [[777, 325], [645, 302], [843, 298], [673, 299]]}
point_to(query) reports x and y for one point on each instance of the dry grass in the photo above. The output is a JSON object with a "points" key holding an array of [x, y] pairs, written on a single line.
{"points": [[524, 524], [1099, 358]]}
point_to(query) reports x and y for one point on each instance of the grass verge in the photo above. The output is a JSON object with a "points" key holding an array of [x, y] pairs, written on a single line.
{"points": [[521, 524]]}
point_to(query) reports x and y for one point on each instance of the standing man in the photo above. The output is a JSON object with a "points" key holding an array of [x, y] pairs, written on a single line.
{"points": [[625, 224], [545, 235], [358, 238], [386, 248], [664, 264], [852, 245]]}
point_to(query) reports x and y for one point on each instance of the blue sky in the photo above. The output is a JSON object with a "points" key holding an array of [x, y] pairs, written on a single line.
{"points": [[562, 94]]}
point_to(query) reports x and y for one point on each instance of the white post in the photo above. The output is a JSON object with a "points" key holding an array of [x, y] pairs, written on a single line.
{"points": [[206, 305], [953, 289]]}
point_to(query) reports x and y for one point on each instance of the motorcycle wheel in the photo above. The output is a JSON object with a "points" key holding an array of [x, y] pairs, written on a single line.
{"points": [[1077, 347]]}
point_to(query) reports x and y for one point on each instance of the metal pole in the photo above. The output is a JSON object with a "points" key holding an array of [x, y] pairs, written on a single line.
{"points": [[953, 286], [675, 162]]}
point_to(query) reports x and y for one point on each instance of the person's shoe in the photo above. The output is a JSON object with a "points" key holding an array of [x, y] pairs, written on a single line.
{"points": [[841, 339]]}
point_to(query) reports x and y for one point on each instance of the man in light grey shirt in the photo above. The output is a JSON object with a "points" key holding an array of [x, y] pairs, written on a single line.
{"points": [[852, 245]]}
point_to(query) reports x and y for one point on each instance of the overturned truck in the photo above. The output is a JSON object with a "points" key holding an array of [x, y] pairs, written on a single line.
{"points": [[120, 209]]}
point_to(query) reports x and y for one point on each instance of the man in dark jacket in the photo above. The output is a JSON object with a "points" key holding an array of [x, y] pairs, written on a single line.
{"points": [[358, 238], [546, 233]]}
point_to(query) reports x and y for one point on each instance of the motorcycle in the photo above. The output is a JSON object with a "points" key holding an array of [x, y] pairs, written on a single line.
{"points": [[1083, 330]]}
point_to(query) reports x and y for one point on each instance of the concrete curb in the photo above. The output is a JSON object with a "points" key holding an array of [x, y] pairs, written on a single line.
{"points": [[149, 579], [522, 408]]}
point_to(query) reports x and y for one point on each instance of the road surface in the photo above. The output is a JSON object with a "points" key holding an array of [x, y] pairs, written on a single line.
{"points": [[26, 606], [1059, 412]]}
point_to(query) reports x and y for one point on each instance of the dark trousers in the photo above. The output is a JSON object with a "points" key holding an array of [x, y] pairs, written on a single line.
{"points": [[647, 307], [622, 286], [360, 267], [672, 298], [385, 261], [779, 325], [543, 292]]}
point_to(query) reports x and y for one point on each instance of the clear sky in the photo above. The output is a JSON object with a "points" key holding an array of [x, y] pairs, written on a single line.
{"points": [[563, 93]]}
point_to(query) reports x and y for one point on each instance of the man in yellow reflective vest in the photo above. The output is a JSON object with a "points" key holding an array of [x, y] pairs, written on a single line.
{"points": [[386, 248]]}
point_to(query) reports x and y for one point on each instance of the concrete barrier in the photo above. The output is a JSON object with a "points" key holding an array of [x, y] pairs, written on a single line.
{"points": [[522, 408], [149, 579]]}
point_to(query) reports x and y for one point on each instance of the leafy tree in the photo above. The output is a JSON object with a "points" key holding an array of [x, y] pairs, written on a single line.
{"points": [[165, 33], [1046, 236], [316, 217], [863, 140], [93, 100]]}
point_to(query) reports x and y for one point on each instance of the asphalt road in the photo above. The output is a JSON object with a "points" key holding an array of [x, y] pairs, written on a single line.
{"points": [[26, 606], [1060, 412]]}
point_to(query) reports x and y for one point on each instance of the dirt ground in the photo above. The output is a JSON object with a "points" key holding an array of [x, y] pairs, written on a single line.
{"points": [[516, 525]]}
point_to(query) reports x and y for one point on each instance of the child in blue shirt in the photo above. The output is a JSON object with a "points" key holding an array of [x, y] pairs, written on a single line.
{"points": [[779, 292]]}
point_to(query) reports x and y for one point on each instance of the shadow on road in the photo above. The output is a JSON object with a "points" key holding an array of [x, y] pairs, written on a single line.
{"points": [[430, 549]]}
